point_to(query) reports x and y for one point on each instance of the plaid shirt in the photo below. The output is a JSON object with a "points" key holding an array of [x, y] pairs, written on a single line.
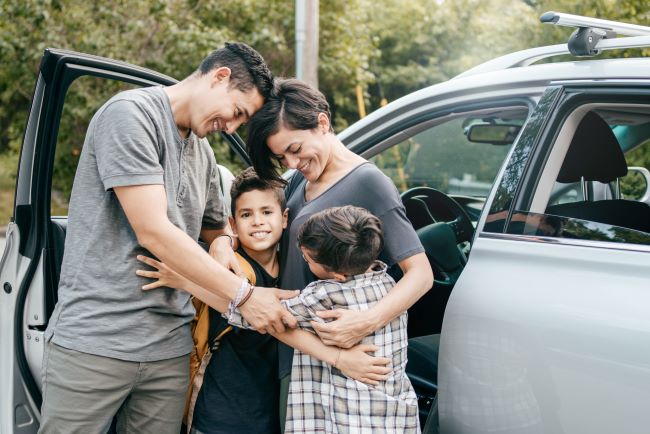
{"points": [[321, 398]]}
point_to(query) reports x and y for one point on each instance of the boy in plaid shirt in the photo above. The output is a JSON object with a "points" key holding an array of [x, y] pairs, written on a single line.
{"points": [[341, 246]]}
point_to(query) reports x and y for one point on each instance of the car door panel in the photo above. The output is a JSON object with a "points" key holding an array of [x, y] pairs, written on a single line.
{"points": [[529, 345], [34, 242], [548, 334], [17, 409]]}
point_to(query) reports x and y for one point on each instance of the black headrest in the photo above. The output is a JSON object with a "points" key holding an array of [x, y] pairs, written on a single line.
{"points": [[594, 153]]}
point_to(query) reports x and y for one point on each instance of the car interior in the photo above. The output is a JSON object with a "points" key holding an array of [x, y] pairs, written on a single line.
{"points": [[589, 160]]}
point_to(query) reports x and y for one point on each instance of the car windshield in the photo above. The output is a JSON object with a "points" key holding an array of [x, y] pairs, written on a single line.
{"points": [[458, 156]]}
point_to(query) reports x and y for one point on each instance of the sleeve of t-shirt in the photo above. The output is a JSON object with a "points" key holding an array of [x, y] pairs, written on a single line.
{"points": [[237, 320], [215, 214], [381, 198], [315, 297], [400, 239], [126, 146]]}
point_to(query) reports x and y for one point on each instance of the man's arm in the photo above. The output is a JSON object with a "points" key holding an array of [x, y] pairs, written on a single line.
{"points": [[355, 362], [145, 207]]}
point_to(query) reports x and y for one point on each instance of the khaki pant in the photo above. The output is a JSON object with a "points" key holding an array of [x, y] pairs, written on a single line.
{"points": [[83, 392]]}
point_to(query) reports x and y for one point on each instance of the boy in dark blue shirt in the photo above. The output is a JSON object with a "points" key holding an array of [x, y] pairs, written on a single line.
{"points": [[240, 381]]}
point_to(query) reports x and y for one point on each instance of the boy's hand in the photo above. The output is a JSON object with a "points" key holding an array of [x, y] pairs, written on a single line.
{"points": [[264, 312], [223, 253], [357, 364], [165, 276], [348, 328]]}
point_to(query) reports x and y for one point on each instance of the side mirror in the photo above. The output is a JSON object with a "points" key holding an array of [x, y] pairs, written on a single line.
{"points": [[495, 134], [634, 180]]}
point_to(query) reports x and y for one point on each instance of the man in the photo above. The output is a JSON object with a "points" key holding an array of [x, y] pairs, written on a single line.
{"points": [[147, 179]]}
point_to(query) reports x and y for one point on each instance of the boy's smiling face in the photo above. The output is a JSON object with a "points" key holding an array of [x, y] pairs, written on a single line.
{"points": [[258, 221]]}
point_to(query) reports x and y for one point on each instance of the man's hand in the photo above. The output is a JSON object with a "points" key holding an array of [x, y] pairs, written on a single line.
{"points": [[222, 252], [264, 312], [357, 364], [347, 329]]}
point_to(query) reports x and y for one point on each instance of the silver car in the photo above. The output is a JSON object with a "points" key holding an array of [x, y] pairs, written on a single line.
{"points": [[518, 178]]}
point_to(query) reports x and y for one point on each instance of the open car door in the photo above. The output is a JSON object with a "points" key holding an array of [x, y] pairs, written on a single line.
{"points": [[29, 270]]}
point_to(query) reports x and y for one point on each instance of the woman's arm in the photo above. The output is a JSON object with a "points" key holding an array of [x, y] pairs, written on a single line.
{"points": [[354, 362], [349, 327]]}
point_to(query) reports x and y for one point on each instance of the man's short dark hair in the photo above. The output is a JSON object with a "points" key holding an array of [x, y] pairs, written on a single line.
{"points": [[247, 67], [345, 239], [247, 181]]}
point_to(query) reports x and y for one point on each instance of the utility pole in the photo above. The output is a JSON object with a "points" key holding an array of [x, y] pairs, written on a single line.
{"points": [[307, 41]]}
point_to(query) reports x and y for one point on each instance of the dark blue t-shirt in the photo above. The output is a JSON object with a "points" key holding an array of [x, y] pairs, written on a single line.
{"points": [[240, 388]]}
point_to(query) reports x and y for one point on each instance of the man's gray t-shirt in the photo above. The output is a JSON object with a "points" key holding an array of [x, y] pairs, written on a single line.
{"points": [[101, 308], [364, 186]]}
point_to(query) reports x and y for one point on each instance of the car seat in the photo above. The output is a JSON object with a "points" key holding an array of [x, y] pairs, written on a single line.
{"points": [[595, 155]]}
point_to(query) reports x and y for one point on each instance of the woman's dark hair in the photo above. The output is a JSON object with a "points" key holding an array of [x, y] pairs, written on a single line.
{"points": [[292, 104], [345, 239]]}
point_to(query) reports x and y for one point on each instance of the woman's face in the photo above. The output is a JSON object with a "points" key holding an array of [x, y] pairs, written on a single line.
{"points": [[307, 151]]}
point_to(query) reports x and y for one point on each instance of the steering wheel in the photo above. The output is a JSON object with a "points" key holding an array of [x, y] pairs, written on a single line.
{"points": [[441, 224], [442, 208]]}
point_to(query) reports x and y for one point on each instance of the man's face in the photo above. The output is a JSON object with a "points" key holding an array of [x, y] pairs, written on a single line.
{"points": [[221, 107]]}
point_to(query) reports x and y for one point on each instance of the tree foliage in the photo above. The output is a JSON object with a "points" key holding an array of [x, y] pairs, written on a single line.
{"points": [[388, 47]]}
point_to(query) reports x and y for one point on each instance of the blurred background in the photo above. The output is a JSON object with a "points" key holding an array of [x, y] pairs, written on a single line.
{"points": [[369, 52]]}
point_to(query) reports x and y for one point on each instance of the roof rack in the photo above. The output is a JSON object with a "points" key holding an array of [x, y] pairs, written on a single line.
{"points": [[568, 20], [591, 37]]}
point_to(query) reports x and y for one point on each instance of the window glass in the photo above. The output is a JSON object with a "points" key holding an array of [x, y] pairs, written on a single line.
{"points": [[454, 157], [594, 195], [634, 185]]}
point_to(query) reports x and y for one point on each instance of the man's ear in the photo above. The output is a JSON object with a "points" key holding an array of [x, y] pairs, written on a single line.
{"points": [[285, 218], [220, 75], [231, 219]]}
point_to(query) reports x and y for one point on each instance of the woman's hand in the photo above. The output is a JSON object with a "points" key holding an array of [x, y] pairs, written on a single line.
{"points": [[165, 276], [347, 329], [357, 364], [222, 252]]}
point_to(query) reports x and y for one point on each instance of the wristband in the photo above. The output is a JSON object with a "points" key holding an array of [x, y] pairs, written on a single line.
{"points": [[246, 297], [232, 242], [238, 297]]}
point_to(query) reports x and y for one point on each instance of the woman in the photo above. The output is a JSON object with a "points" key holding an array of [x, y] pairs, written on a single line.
{"points": [[293, 128]]}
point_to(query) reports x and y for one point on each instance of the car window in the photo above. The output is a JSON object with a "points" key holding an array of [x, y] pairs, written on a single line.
{"points": [[451, 156], [586, 190]]}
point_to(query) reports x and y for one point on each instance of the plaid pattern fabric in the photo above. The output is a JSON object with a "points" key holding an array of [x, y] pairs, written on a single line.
{"points": [[321, 398]]}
